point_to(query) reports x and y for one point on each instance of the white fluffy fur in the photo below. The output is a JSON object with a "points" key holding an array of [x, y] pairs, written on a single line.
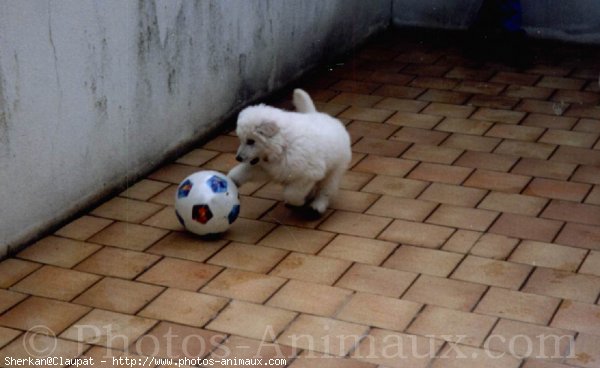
{"points": [[306, 151]]}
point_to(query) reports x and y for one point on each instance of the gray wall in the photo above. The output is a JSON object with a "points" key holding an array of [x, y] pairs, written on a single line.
{"points": [[94, 92], [567, 20]]}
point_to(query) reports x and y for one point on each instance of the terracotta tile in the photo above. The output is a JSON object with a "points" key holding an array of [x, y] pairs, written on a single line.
{"points": [[56, 283], [36, 346], [498, 116], [196, 157], [282, 215], [171, 173], [492, 272], [401, 104], [451, 325], [528, 92], [402, 208], [182, 274], [575, 212], [253, 208], [384, 165], [390, 78], [564, 284], [549, 121], [486, 88], [409, 119], [169, 340], [591, 265], [355, 224], [420, 136], [444, 292], [297, 239], [494, 102], [83, 227], [119, 295], [187, 246], [452, 194], [368, 129], [465, 126], [513, 203], [310, 359], [443, 96], [471, 142], [409, 350], [488, 161], [578, 235], [557, 189], [222, 143], [435, 154], [576, 155], [587, 125], [581, 317], [503, 182], [461, 217], [584, 111], [248, 257], [310, 268], [354, 86], [252, 320], [355, 99], [310, 298], [586, 352], [110, 329], [243, 285], [461, 241], [440, 173], [532, 342], [433, 82], [243, 349], [420, 65], [519, 132], [594, 196], [35, 312], [525, 149], [185, 307], [223, 163], [248, 231], [166, 197], [351, 248], [165, 219], [494, 246], [58, 251], [458, 356], [543, 107], [422, 260], [354, 180], [461, 72], [129, 210], [448, 110], [560, 83], [390, 90], [129, 236], [380, 147], [414, 233], [7, 335], [519, 226], [518, 306], [144, 189], [366, 114], [321, 334], [12, 270], [379, 311], [376, 280], [543, 168], [522, 79], [9, 298], [569, 138], [587, 174], [556, 71]]}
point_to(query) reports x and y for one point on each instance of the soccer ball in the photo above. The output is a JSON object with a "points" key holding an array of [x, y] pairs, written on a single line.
{"points": [[207, 202]]}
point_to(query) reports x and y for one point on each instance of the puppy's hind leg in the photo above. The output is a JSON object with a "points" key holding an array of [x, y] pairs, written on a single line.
{"points": [[295, 193], [328, 189]]}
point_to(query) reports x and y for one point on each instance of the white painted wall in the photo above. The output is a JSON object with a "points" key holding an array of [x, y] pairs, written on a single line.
{"points": [[566, 20], [94, 92]]}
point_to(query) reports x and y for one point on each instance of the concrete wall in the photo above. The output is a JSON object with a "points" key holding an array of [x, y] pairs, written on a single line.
{"points": [[575, 21], [95, 92]]}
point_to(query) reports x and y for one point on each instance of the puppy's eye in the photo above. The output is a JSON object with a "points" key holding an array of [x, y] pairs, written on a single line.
{"points": [[250, 142]]}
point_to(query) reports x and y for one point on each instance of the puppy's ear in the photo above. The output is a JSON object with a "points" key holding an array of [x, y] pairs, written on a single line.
{"points": [[267, 128]]}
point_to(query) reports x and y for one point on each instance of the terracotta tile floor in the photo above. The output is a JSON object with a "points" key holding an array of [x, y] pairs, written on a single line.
{"points": [[467, 226]]}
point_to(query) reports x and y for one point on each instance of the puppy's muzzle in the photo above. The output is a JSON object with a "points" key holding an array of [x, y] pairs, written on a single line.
{"points": [[239, 158]]}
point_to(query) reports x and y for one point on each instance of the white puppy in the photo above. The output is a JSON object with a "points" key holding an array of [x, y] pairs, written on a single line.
{"points": [[305, 151]]}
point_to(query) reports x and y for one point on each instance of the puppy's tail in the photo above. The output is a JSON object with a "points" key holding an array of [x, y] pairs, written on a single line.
{"points": [[303, 102]]}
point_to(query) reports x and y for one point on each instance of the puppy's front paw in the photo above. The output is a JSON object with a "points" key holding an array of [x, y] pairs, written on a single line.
{"points": [[320, 205]]}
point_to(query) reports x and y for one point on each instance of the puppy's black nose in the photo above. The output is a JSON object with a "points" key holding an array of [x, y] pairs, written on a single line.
{"points": [[239, 158]]}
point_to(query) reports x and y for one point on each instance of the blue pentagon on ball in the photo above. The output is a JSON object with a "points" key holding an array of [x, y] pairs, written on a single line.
{"points": [[217, 184], [184, 189]]}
